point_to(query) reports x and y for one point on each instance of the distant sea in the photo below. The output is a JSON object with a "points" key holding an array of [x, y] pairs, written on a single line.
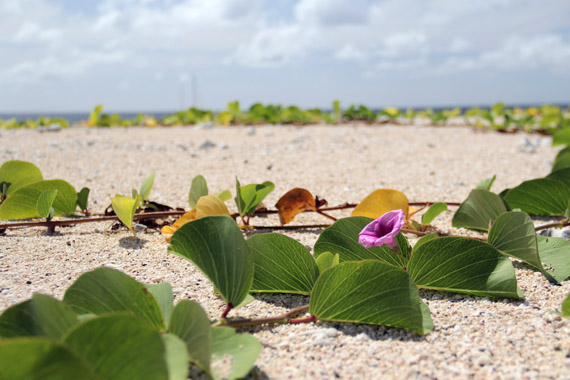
{"points": [[74, 117]]}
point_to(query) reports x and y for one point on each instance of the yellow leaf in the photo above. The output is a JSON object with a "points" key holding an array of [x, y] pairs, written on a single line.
{"points": [[293, 202], [210, 205], [381, 201]]}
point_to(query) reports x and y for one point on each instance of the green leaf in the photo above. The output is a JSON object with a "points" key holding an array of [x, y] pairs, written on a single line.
{"points": [[216, 246], [176, 357], [16, 174], [162, 293], [93, 120], [555, 257], [39, 316], [372, 292], [125, 208], [33, 358], [562, 175], [463, 265], [561, 137], [250, 196], [146, 187], [241, 350], [513, 234], [83, 198], [45, 203], [120, 347], [342, 238], [480, 207], [432, 213], [487, 183], [199, 188], [562, 160], [106, 290], [281, 265], [225, 195], [566, 306], [22, 203], [191, 324], [327, 260], [539, 197]]}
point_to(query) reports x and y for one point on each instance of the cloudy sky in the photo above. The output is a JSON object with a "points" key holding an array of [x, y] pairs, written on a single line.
{"points": [[163, 55]]}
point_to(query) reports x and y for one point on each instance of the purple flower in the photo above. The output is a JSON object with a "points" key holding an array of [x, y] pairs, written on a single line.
{"points": [[383, 230]]}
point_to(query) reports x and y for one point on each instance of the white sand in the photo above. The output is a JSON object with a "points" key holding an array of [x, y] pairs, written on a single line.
{"points": [[473, 337]]}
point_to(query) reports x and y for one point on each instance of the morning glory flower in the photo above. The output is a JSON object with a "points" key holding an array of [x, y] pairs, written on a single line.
{"points": [[383, 230]]}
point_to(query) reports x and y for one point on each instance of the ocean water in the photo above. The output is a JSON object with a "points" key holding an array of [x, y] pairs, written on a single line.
{"points": [[75, 117]]}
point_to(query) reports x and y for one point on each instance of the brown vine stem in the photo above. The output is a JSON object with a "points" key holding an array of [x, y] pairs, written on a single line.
{"points": [[562, 223], [283, 318]]}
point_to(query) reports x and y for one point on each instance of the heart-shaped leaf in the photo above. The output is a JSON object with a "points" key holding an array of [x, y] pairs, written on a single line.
{"points": [[539, 197], [327, 260], [215, 245], [487, 183], [106, 290], [210, 205], [342, 238], [293, 202], [191, 324], [480, 208], [370, 291], [146, 187], [241, 350], [22, 204], [83, 198], [463, 265], [162, 293], [176, 357], [282, 265], [555, 256], [381, 201], [16, 174], [39, 316], [562, 175]]}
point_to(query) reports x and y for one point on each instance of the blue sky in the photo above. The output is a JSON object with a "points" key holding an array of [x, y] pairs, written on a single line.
{"points": [[154, 55]]}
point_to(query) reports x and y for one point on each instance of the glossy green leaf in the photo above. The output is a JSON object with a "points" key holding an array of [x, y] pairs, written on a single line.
{"points": [[146, 187], [125, 208], [248, 197], [216, 245], [555, 257], [487, 183], [22, 204], [342, 238], [39, 316], [513, 234], [120, 347], [240, 350], [176, 357], [480, 207], [370, 291], [562, 160], [191, 324], [539, 197], [106, 290], [327, 260], [433, 212], [463, 265], [162, 293], [562, 175], [35, 358], [83, 198], [16, 174], [199, 188], [281, 265], [566, 307], [561, 137]]}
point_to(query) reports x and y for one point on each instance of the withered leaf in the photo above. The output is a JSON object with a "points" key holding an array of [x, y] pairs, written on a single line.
{"points": [[293, 202]]}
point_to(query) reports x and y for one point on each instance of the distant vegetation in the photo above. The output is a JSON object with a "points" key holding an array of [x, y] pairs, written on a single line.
{"points": [[544, 119]]}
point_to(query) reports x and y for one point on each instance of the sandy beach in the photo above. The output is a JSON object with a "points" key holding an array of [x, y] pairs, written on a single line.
{"points": [[474, 337]]}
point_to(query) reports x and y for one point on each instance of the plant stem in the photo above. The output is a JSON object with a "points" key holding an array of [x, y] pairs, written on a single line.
{"points": [[297, 321], [227, 310], [562, 223], [283, 318]]}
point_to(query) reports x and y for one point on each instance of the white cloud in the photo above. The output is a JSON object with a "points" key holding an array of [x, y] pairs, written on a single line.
{"points": [[350, 53], [332, 12], [275, 46], [410, 42]]}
